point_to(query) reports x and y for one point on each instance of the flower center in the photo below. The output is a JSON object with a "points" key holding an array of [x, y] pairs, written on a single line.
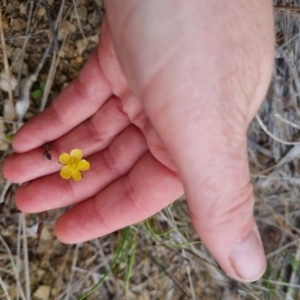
{"points": [[73, 163]]}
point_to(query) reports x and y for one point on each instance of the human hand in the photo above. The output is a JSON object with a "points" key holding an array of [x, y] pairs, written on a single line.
{"points": [[192, 76]]}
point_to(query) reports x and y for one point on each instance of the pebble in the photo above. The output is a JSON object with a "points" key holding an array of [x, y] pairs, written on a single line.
{"points": [[42, 292]]}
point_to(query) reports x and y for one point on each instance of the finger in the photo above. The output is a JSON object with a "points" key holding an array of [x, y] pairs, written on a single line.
{"points": [[80, 99], [52, 191], [149, 187], [90, 136]]}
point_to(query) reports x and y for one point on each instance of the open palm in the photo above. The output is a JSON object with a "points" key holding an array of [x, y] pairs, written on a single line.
{"points": [[146, 112], [102, 118]]}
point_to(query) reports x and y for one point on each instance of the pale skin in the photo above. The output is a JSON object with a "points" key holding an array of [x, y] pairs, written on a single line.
{"points": [[161, 108]]}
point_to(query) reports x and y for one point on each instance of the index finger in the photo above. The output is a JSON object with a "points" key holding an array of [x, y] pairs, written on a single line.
{"points": [[80, 100]]}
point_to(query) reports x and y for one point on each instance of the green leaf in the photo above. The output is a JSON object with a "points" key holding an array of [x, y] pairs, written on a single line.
{"points": [[124, 238], [9, 137], [37, 94], [42, 86]]}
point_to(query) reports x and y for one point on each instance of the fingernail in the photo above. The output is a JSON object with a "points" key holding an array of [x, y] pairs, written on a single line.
{"points": [[247, 257]]}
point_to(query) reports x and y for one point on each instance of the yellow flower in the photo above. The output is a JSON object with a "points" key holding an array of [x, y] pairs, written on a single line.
{"points": [[74, 164]]}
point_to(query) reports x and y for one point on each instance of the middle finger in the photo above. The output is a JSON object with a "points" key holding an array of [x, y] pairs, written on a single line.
{"points": [[52, 191]]}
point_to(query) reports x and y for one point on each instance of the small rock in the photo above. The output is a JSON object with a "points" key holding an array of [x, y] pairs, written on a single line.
{"points": [[22, 8], [79, 59], [144, 295], [81, 12], [9, 8], [17, 68], [9, 111], [81, 46], [42, 292], [40, 273], [50, 2], [4, 22], [65, 29], [19, 24], [41, 11], [4, 82], [94, 38], [62, 53], [94, 18], [7, 232], [29, 115], [46, 234], [99, 2], [62, 79]]}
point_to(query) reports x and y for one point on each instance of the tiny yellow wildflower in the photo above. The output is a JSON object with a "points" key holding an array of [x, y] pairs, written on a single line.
{"points": [[74, 165]]}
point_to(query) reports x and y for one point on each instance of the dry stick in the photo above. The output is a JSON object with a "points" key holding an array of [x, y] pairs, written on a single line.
{"points": [[103, 257], [188, 268], [18, 253], [54, 62], [282, 248], [7, 71], [282, 7], [25, 43], [78, 283], [265, 129], [12, 264], [278, 116], [74, 261], [26, 263], [78, 20], [50, 23], [23, 103], [293, 279], [4, 190], [4, 289]]}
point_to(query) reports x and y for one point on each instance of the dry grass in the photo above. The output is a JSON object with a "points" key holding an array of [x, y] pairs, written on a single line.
{"points": [[173, 265]]}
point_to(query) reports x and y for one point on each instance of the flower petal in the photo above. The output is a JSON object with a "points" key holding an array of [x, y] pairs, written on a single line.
{"points": [[76, 153], [64, 158], [66, 172], [76, 175], [83, 165]]}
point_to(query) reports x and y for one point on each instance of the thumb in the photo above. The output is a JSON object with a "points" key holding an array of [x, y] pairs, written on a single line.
{"points": [[211, 158], [199, 96]]}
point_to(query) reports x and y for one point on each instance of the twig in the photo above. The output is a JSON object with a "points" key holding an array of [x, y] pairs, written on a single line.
{"points": [[293, 278], [277, 251], [12, 264], [78, 20], [4, 289], [50, 23], [18, 253], [4, 190], [23, 103], [259, 148], [265, 129], [54, 62], [72, 272], [284, 7], [11, 115], [26, 261], [278, 116], [27, 37], [188, 268]]}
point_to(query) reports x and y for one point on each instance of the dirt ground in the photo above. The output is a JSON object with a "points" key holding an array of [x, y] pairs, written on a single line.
{"points": [[163, 257]]}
